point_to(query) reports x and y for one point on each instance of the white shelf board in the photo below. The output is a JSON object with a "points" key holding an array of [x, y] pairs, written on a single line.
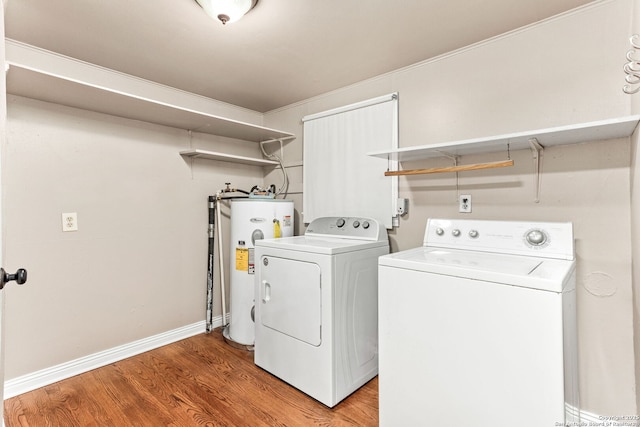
{"points": [[39, 74], [212, 155], [585, 132]]}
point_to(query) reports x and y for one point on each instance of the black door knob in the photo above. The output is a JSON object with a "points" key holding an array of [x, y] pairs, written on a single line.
{"points": [[20, 277]]}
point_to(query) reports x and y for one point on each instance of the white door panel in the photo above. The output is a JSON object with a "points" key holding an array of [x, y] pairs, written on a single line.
{"points": [[290, 298]]}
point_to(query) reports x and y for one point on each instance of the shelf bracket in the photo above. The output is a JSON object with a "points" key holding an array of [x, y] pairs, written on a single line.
{"points": [[537, 149]]}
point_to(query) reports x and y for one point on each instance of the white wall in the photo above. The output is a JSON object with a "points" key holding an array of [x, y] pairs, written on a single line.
{"points": [[563, 71], [137, 265]]}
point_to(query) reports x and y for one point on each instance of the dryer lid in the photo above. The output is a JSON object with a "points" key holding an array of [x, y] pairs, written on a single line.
{"points": [[320, 245]]}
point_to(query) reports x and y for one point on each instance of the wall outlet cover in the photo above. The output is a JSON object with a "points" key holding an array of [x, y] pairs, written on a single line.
{"points": [[69, 221], [465, 203]]}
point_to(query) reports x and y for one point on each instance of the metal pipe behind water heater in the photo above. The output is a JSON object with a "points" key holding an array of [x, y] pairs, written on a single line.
{"points": [[213, 229], [211, 262], [251, 219]]}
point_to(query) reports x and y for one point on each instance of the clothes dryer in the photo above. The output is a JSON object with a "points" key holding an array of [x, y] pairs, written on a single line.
{"points": [[316, 323]]}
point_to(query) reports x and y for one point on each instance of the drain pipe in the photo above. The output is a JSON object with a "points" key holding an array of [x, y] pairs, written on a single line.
{"points": [[211, 232], [213, 229], [215, 216]]}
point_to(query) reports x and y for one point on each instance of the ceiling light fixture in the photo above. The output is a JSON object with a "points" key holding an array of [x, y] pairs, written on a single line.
{"points": [[227, 10]]}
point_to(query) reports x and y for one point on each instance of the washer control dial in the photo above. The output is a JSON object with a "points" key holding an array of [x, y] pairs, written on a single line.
{"points": [[365, 225], [473, 234], [536, 237], [340, 222], [356, 224], [439, 231], [455, 232]]}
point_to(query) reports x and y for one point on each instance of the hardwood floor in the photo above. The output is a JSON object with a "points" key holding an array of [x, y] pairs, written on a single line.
{"points": [[200, 381]]}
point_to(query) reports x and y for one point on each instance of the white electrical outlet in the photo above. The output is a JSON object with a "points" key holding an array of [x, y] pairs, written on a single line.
{"points": [[465, 203], [70, 221]]}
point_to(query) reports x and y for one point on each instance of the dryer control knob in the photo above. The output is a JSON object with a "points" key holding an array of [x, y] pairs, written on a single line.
{"points": [[456, 232], [439, 231], [340, 222], [365, 225], [356, 224], [473, 234]]}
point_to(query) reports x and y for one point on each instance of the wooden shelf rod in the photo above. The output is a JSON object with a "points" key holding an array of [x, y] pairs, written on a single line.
{"points": [[461, 168]]}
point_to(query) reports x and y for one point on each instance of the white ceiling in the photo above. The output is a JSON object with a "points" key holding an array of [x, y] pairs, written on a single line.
{"points": [[281, 52]]}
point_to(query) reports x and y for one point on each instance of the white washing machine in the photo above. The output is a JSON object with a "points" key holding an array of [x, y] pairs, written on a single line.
{"points": [[478, 327], [316, 323]]}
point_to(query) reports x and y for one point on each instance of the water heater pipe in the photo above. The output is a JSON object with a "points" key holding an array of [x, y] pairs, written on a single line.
{"points": [[211, 262], [221, 259], [280, 159], [215, 216]]}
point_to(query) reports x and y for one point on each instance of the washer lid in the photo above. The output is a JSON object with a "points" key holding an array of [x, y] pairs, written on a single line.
{"points": [[524, 271], [320, 245]]}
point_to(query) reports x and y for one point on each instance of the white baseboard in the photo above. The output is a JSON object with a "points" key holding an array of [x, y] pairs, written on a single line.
{"points": [[66, 370]]}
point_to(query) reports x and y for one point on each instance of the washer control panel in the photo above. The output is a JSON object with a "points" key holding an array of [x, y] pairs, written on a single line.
{"points": [[347, 227], [544, 239]]}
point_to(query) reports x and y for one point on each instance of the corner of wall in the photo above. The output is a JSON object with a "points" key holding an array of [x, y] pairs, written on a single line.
{"points": [[634, 176], [635, 252]]}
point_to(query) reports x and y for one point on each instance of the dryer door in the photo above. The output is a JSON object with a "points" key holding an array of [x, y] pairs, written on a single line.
{"points": [[289, 295]]}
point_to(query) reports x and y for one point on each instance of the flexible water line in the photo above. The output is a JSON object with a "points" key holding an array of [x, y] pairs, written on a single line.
{"points": [[279, 159]]}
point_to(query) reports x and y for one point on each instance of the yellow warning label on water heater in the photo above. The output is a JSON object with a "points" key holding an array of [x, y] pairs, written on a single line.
{"points": [[242, 259], [277, 233]]}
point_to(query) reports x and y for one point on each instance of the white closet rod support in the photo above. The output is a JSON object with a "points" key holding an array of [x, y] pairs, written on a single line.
{"points": [[537, 149]]}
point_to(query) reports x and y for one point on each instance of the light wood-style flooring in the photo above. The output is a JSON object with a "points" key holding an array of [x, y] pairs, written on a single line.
{"points": [[199, 381]]}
